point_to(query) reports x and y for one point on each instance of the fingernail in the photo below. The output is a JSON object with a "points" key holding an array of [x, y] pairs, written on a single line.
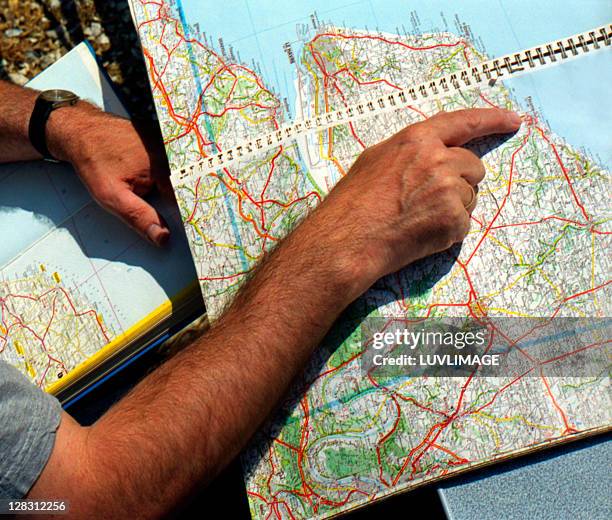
{"points": [[158, 235], [514, 118]]}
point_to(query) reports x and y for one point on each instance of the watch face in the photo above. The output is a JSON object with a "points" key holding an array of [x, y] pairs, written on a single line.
{"points": [[58, 96]]}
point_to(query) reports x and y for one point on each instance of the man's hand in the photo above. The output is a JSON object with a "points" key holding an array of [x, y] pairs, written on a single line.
{"points": [[411, 195], [116, 161]]}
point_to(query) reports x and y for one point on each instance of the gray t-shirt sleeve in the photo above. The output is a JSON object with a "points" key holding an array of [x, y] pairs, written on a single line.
{"points": [[29, 419]]}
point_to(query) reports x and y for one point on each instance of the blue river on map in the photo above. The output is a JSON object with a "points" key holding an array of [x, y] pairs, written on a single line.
{"points": [[570, 96]]}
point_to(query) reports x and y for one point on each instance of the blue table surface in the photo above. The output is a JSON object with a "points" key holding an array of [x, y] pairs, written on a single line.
{"points": [[573, 481]]}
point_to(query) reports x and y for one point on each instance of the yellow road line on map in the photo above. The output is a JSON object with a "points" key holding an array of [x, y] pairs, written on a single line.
{"points": [[516, 418], [446, 281], [380, 409], [316, 80], [504, 246], [253, 121], [448, 58], [489, 428], [205, 238], [507, 287], [507, 311], [511, 285], [325, 156], [550, 282]]}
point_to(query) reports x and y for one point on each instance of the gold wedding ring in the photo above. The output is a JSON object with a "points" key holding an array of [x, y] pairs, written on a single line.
{"points": [[472, 197]]}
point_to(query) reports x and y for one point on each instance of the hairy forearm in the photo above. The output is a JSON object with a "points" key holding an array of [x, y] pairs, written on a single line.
{"points": [[192, 416], [16, 105], [63, 127]]}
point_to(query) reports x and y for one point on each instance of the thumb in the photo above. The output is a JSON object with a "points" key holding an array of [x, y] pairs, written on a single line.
{"points": [[141, 216]]}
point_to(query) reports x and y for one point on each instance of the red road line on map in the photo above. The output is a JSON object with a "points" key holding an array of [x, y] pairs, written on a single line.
{"points": [[226, 277], [286, 445], [245, 217], [460, 460], [195, 204], [582, 293], [568, 428], [272, 166], [564, 170], [541, 221], [68, 299], [41, 339]]}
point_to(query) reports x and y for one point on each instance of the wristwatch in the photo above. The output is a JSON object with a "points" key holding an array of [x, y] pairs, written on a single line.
{"points": [[47, 102]]}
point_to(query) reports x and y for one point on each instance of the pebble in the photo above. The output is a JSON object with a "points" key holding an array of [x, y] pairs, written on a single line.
{"points": [[103, 40], [17, 78], [12, 33], [96, 29]]}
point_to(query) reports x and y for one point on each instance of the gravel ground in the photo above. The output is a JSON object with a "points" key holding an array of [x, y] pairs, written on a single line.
{"points": [[35, 33]]}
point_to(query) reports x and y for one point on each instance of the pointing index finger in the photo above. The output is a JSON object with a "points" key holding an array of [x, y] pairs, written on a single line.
{"points": [[460, 127]]}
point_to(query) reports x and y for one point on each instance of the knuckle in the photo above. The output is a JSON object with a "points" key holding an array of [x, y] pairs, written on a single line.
{"points": [[446, 223], [438, 157], [412, 151], [450, 225], [105, 194], [472, 119], [457, 215], [365, 156], [404, 149], [416, 132], [475, 163], [446, 188], [365, 153], [453, 220], [442, 114]]}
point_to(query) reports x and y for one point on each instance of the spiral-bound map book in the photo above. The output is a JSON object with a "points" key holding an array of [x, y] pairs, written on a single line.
{"points": [[264, 107]]}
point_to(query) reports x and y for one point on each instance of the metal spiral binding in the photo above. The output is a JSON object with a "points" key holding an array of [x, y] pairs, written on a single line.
{"points": [[486, 72]]}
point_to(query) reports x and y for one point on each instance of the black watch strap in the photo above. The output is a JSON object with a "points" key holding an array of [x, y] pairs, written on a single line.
{"points": [[46, 102], [37, 129]]}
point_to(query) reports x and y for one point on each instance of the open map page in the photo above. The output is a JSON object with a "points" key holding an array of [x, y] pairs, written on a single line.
{"points": [[538, 247], [76, 284]]}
